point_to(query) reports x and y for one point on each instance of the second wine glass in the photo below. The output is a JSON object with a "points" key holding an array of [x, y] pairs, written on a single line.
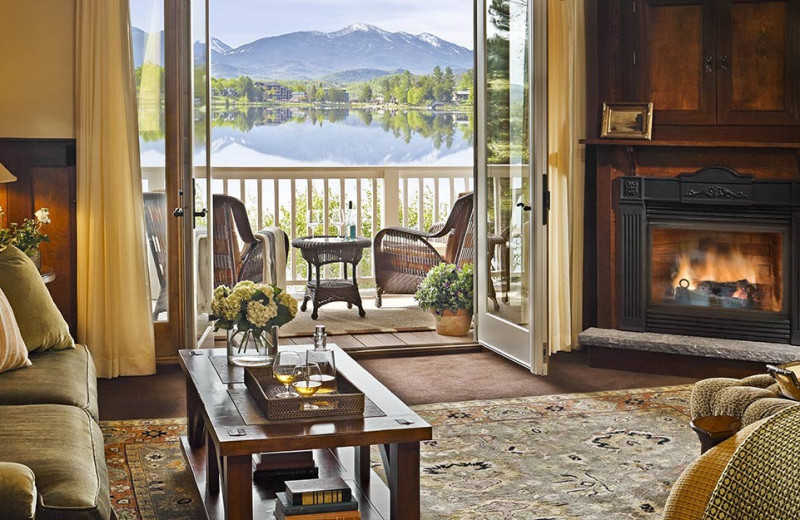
{"points": [[306, 379], [337, 221]]}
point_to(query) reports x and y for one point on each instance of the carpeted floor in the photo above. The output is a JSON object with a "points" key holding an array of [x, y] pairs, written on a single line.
{"points": [[573, 456], [485, 375]]}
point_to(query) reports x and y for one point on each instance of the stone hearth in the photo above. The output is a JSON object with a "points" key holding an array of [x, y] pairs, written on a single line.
{"points": [[755, 351]]}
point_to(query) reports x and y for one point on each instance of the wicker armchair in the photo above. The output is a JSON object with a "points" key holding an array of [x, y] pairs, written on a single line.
{"points": [[231, 226], [404, 256], [155, 221]]}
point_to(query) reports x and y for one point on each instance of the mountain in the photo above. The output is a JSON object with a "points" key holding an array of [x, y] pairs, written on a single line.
{"points": [[359, 52], [355, 49]]}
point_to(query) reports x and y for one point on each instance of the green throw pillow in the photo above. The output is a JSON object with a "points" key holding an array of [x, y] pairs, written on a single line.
{"points": [[40, 322]]}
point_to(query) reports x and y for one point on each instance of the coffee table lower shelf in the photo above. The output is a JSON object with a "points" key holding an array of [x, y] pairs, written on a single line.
{"points": [[372, 494]]}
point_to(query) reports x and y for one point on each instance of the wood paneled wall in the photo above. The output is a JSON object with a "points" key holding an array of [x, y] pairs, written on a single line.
{"points": [[758, 143], [45, 171]]}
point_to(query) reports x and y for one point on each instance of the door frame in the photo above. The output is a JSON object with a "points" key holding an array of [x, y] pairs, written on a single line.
{"points": [[170, 335], [492, 331]]}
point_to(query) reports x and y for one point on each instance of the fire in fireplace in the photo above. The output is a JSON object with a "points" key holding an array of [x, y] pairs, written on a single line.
{"points": [[716, 268]]}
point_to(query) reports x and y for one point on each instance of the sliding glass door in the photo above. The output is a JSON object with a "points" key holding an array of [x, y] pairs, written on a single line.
{"points": [[511, 156]]}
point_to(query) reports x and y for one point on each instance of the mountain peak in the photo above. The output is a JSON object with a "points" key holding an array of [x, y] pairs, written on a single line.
{"points": [[358, 27], [220, 46]]}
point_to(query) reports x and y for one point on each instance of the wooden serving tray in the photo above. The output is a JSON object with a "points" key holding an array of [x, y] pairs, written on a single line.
{"points": [[347, 400]]}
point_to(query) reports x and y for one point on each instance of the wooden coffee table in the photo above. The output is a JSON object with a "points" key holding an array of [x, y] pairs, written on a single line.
{"points": [[225, 430]]}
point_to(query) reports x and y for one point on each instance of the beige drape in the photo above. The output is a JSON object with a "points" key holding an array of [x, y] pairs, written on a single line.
{"points": [[566, 124], [113, 306]]}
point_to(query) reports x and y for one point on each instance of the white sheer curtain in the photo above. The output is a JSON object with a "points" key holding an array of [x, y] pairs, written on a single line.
{"points": [[114, 318], [566, 122]]}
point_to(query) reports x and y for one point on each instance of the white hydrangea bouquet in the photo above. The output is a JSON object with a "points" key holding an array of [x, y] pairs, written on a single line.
{"points": [[252, 313]]}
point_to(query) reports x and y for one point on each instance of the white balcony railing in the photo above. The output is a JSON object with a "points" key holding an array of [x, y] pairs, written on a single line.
{"points": [[413, 197]]}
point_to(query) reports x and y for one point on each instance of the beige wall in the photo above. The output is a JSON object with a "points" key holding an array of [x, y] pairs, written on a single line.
{"points": [[37, 63]]}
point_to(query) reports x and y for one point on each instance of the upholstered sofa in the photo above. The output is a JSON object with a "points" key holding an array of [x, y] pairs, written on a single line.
{"points": [[52, 463]]}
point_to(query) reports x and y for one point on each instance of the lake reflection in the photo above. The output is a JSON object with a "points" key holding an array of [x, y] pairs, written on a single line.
{"points": [[289, 136]]}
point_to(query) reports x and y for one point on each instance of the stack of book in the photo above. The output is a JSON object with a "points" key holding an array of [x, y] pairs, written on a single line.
{"points": [[270, 468], [317, 499]]}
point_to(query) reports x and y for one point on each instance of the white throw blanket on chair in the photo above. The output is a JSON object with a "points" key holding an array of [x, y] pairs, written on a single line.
{"points": [[275, 253]]}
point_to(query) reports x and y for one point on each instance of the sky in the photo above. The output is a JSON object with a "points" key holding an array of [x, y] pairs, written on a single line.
{"points": [[237, 22]]}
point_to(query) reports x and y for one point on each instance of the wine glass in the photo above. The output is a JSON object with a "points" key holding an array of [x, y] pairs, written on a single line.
{"points": [[307, 379], [314, 220], [337, 220], [283, 369]]}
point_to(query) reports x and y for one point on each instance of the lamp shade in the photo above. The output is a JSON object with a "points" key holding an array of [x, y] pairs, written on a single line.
{"points": [[5, 175]]}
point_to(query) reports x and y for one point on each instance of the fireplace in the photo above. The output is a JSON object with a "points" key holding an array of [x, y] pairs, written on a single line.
{"points": [[711, 253]]}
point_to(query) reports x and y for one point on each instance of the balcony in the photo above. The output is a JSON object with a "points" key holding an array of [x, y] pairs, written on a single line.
{"points": [[415, 196]]}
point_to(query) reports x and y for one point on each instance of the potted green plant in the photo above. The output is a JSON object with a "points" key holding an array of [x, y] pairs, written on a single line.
{"points": [[447, 292], [251, 313]]}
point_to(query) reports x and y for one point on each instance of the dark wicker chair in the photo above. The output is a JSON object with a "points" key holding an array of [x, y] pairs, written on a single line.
{"points": [[404, 256], [155, 220], [232, 265]]}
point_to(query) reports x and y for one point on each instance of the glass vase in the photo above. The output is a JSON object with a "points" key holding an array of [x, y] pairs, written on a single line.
{"points": [[248, 349]]}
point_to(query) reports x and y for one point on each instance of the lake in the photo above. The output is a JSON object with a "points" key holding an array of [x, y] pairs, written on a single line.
{"points": [[291, 136]]}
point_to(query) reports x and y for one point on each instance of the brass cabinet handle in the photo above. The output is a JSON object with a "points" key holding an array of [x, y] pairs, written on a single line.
{"points": [[723, 63], [709, 66]]}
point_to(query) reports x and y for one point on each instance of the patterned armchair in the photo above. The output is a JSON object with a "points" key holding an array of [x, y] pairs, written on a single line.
{"points": [[751, 476], [403, 256]]}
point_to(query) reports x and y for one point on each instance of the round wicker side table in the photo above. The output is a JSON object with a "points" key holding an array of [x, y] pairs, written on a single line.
{"points": [[318, 251]]}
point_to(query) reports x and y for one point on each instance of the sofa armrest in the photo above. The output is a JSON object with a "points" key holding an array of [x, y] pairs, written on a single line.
{"points": [[17, 492]]}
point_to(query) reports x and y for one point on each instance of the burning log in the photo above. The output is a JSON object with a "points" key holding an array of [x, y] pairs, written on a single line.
{"points": [[736, 295]]}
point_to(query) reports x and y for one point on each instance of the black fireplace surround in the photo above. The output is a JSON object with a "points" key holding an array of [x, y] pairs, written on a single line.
{"points": [[715, 200]]}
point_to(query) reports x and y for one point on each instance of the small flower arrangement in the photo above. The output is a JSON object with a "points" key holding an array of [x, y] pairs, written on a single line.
{"points": [[29, 235], [252, 310], [447, 288]]}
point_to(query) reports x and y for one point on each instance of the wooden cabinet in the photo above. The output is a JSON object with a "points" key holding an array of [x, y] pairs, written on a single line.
{"points": [[719, 62]]}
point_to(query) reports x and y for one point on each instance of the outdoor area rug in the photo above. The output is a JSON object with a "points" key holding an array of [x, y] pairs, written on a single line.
{"points": [[398, 314], [576, 456]]}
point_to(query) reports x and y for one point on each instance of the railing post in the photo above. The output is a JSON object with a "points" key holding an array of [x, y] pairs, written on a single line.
{"points": [[391, 197]]}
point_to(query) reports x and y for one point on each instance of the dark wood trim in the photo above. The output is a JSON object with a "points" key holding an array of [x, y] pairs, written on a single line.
{"points": [[671, 364], [716, 143], [412, 351], [46, 177]]}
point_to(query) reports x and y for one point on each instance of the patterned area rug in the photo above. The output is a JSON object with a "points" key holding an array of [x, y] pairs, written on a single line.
{"points": [[148, 475], [578, 456]]}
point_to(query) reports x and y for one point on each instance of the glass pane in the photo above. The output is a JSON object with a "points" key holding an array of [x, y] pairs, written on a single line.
{"points": [[508, 157], [147, 33], [715, 268], [201, 167]]}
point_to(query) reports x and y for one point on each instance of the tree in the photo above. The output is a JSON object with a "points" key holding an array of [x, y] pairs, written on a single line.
{"points": [[365, 93], [245, 88], [449, 83]]}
